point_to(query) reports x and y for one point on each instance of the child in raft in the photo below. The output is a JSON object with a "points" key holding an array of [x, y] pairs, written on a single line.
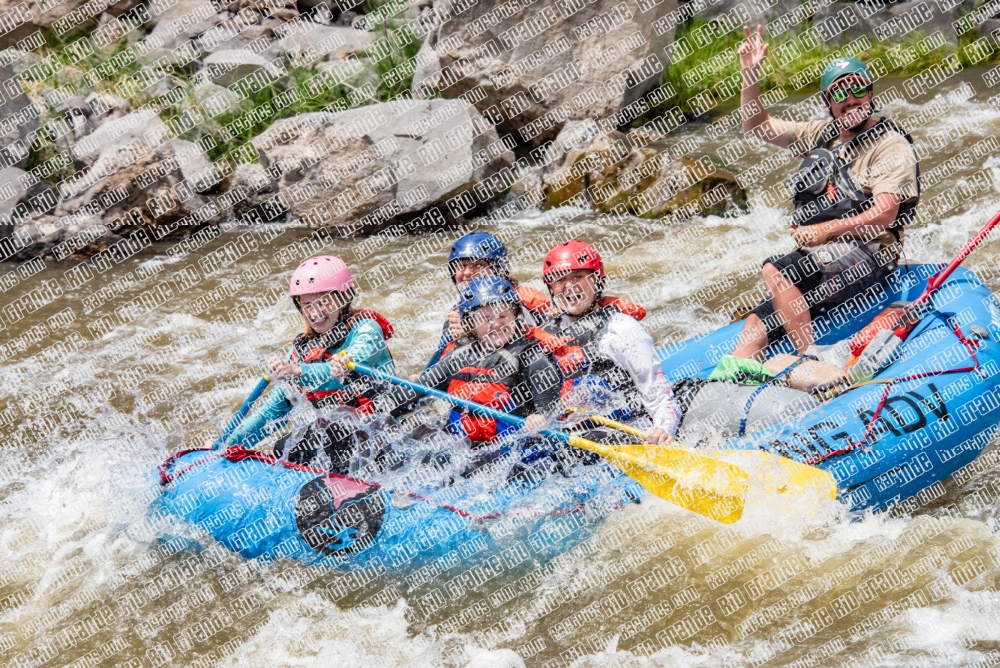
{"points": [[322, 290], [480, 254], [598, 340], [495, 365]]}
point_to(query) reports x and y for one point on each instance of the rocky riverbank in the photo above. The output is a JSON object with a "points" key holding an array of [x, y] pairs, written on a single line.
{"points": [[138, 122]]}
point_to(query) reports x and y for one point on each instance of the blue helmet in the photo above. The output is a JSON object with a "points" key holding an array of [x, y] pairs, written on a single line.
{"points": [[480, 246], [486, 290]]}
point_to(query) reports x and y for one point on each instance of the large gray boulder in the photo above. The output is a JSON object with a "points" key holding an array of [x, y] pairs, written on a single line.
{"points": [[367, 168], [139, 126], [64, 19], [226, 67], [308, 42], [614, 173], [427, 69], [177, 27], [23, 196], [253, 191], [141, 177], [890, 22], [56, 238], [215, 100], [246, 31], [532, 68], [751, 12]]}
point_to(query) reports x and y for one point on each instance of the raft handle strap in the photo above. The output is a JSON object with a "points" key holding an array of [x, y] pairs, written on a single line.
{"points": [[969, 344]]}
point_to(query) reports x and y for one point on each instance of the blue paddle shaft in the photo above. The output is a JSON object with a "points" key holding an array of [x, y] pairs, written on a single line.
{"points": [[242, 412], [452, 399]]}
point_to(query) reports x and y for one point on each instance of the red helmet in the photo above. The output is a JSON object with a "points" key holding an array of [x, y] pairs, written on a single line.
{"points": [[570, 256]]}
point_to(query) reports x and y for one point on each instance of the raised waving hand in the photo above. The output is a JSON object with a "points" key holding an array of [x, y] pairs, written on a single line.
{"points": [[752, 52]]}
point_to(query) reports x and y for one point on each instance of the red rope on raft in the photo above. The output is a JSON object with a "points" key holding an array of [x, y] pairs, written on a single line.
{"points": [[238, 453], [969, 344]]}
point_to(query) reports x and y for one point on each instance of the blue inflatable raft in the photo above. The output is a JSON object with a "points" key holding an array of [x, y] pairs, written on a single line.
{"points": [[261, 507], [936, 418], [883, 443]]}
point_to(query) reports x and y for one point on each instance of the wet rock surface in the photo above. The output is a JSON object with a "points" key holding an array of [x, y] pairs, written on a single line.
{"points": [[363, 169], [619, 173], [535, 68]]}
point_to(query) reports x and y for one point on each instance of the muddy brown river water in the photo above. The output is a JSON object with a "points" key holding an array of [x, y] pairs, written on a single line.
{"points": [[119, 368]]}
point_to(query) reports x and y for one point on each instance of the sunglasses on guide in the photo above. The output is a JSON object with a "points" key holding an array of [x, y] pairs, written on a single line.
{"points": [[859, 92]]}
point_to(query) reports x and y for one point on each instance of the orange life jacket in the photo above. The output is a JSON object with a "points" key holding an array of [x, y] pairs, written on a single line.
{"points": [[533, 300], [627, 307]]}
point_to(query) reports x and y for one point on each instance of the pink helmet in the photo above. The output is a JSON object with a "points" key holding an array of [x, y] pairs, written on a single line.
{"points": [[322, 273]]}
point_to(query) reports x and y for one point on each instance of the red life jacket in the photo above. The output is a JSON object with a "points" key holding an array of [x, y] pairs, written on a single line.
{"points": [[491, 385], [448, 348], [574, 347], [321, 348]]}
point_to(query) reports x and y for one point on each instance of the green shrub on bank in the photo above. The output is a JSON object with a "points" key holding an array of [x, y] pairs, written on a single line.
{"points": [[380, 79], [381, 76], [787, 55]]}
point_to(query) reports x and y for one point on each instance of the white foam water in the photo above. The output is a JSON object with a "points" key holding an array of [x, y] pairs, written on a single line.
{"points": [[92, 575]]}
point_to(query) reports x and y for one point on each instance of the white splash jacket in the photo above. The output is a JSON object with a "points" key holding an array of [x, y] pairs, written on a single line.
{"points": [[615, 347]]}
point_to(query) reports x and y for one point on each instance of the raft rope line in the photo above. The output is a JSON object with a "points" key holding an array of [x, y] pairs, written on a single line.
{"points": [[753, 397], [238, 453], [969, 344]]}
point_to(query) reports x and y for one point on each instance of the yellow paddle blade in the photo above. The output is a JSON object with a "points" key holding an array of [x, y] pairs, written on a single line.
{"points": [[780, 475], [774, 473], [701, 484]]}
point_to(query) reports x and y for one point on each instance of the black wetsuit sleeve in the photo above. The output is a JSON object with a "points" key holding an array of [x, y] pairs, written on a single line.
{"points": [[399, 400], [541, 375]]}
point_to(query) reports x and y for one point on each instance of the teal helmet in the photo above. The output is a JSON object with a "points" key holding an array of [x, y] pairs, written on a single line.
{"points": [[840, 67]]}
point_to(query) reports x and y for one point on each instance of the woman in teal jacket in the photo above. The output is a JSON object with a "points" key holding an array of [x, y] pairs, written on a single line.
{"points": [[322, 289]]}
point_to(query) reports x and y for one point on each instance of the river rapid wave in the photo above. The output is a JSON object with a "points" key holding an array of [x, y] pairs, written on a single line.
{"points": [[152, 362]]}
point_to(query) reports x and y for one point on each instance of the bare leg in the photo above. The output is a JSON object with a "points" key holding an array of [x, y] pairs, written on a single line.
{"points": [[791, 305], [753, 339], [791, 309]]}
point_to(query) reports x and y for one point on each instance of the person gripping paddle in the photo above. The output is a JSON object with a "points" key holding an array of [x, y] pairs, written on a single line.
{"points": [[598, 340], [323, 290], [496, 365]]}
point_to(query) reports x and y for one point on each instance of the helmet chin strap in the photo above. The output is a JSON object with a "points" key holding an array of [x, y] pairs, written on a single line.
{"points": [[598, 291]]}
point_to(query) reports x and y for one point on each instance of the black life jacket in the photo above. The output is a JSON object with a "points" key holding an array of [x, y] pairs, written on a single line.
{"points": [[824, 188], [497, 382], [575, 348], [311, 349]]}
